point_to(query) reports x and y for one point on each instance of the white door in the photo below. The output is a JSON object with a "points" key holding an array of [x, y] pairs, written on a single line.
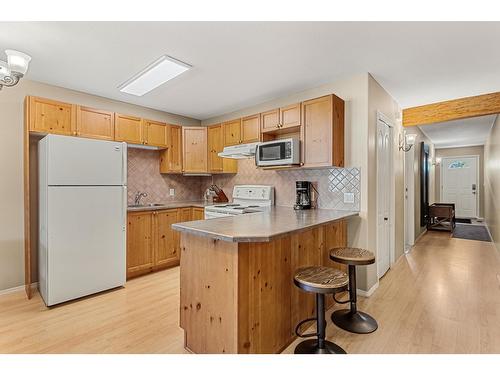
{"points": [[86, 230], [79, 161], [459, 184], [383, 197]]}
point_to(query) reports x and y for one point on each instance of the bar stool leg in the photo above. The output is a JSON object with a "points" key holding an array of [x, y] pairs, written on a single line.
{"points": [[353, 320], [319, 345]]}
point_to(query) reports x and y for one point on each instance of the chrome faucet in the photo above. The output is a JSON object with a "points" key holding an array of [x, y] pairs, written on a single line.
{"points": [[138, 196]]}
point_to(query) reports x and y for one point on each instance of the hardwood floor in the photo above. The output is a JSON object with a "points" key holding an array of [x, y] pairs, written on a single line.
{"points": [[443, 297]]}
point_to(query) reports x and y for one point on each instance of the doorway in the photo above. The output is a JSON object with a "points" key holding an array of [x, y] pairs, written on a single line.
{"points": [[385, 183], [460, 176]]}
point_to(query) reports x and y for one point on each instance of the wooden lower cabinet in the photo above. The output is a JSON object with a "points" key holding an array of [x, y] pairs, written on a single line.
{"points": [[198, 213], [152, 244], [140, 252]]}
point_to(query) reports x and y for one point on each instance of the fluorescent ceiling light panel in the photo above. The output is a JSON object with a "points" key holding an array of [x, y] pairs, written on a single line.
{"points": [[154, 75]]}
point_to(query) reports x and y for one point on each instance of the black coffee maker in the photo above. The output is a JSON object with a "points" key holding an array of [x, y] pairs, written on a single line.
{"points": [[303, 200]]}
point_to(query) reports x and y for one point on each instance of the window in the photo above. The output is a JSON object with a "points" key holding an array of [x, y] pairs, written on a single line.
{"points": [[457, 164]]}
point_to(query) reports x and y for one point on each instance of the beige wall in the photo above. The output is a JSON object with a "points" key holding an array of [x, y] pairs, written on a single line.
{"points": [[380, 100], [420, 137], [363, 97], [462, 151], [492, 182], [11, 163]]}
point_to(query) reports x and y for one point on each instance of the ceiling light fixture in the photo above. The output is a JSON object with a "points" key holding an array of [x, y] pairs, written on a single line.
{"points": [[154, 75], [14, 69]]}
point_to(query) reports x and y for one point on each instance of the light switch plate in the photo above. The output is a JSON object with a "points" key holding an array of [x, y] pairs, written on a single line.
{"points": [[172, 192], [348, 197]]}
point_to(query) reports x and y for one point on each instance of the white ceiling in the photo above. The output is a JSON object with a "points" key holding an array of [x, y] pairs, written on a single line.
{"points": [[459, 133], [242, 64]]}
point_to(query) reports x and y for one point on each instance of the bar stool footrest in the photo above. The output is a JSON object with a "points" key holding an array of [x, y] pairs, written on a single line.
{"points": [[303, 335]]}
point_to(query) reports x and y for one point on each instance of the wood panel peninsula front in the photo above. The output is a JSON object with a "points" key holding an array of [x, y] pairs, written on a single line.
{"points": [[236, 286]]}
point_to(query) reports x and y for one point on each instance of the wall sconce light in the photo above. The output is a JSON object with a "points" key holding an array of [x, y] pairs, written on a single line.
{"points": [[14, 69], [406, 141]]}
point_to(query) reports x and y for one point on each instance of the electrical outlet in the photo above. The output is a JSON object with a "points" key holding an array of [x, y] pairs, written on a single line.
{"points": [[348, 197], [172, 192]]}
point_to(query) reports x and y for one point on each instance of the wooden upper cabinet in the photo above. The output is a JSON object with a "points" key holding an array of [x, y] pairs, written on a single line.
{"points": [[128, 129], [167, 249], [194, 149], [171, 158], [95, 123], [232, 132], [323, 132], [215, 145], [250, 129], [270, 120], [140, 255], [50, 116], [290, 116], [155, 133]]}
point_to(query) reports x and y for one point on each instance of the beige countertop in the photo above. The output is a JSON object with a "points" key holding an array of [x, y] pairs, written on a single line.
{"points": [[169, 205], [262, 226]]}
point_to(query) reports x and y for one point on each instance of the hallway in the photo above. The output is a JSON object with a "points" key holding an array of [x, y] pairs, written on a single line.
{"points": [[443, 297]]}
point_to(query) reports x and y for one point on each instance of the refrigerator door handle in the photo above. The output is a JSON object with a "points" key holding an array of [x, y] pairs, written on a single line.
{"points": [[124, 208]]}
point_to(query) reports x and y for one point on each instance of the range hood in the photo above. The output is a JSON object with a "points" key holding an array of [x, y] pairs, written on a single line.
{"points": [[243, 151]]}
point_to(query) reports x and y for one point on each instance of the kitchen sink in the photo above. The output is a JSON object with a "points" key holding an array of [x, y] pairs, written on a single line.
{"points": [[145, 205]]}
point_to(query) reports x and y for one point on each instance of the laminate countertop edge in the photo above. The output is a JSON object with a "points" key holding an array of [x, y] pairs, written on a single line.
{"points": [[253, 227], [170, 206]]}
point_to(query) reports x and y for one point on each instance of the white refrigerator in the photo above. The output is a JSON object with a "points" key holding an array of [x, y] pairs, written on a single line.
{"points": [[82, 217]]}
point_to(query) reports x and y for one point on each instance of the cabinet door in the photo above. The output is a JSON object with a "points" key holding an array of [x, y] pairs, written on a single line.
{"points": [[128, 129], [95, 123], [198, 213], [290, 116], [215, 145], [250, 129], [195, 149], [270, 120], [155, 133], [317, 132], [49, 116], [232, 132], [175, 150], [186, 214], [167, 247], [139, 243]]}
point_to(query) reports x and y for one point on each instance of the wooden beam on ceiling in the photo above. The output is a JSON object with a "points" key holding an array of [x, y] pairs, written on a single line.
{"points": [[456, 109]]}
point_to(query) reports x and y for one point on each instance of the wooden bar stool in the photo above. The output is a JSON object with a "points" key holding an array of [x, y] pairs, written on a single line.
{"points": [[319, 280], [353, 320]]}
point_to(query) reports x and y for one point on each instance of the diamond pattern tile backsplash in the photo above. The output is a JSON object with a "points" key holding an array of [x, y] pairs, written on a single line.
{"points": [[144, 175], [330, 183]]}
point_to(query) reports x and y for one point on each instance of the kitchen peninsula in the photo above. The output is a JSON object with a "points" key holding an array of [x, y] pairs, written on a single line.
{"points": [[237, 291]]}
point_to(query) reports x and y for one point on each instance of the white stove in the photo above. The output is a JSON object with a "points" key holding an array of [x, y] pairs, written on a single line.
{"points": [[246, 199]]}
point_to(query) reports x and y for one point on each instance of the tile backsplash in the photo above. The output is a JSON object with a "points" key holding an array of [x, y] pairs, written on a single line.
{"points": [[330, 183], [144, 175]]}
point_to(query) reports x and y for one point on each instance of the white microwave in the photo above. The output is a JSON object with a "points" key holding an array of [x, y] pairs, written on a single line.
{"points": [[278, 152]]}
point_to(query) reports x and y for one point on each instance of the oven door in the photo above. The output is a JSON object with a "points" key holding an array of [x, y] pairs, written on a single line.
{"points": [[214, 214], [274, 153]]}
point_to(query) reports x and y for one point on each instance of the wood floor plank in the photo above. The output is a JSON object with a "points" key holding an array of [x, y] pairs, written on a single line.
{"points": [[442, 297]]}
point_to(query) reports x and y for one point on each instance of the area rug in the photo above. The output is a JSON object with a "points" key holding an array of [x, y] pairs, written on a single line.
{"points": [[471, 232]]}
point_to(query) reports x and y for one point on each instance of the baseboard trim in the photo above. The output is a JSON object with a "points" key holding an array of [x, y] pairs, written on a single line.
{"points": [[17, 289], [364, 293], [420, 236]]}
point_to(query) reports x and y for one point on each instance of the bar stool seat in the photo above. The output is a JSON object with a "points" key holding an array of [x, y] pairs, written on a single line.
{"points": [[353, 320], [320, 280]]}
